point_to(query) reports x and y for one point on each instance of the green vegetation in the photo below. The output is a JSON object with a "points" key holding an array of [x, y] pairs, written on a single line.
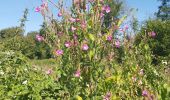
{"points": [[80, 57]]}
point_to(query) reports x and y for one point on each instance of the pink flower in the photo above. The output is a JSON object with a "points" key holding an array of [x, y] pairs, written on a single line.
{"points": [[39, 38], [117, 44], [37, 9], [152, 34], [77, 73], [107, 96], [85, 47], [49, 71], [144, 93], [107, 9], [72, 20], [109, 38], [83, 24], [60, 33], [77, 19], [59, 52], [73, 28], [67, 44], [101, 15], [75, 36], [59, 14]]}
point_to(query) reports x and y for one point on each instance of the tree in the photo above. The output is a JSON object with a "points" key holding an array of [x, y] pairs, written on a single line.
{"points": [[10, 32], [160, 44], [164, 10]]}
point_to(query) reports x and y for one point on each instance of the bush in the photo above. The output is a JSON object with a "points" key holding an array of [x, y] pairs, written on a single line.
{"points": [[160, 43]]}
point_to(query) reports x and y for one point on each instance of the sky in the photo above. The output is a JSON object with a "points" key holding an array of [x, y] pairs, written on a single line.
{"points": [[12, 10]]}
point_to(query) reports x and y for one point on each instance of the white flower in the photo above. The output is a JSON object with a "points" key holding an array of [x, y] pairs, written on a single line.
{"points": [[25, 82]]}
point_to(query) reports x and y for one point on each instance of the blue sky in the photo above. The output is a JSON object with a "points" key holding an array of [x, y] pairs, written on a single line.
{"points": [[12, 10]]}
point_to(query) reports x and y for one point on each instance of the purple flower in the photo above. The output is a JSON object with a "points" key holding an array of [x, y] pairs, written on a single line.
{"points": [[37, 9], [59, 52], [67, 44], [59, 14], [144, 93], [85, 47], [39, 38], [153, 34], [77, 73], [107, 96], [109, 38], [107, 9], [117, 44]]}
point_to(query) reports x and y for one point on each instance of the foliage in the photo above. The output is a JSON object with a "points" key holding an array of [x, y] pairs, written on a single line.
{"points": [[164, 10], [87, 59], [160, 43], [88, 64]]}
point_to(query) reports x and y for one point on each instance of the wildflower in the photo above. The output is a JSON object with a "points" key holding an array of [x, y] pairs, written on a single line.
{"points": [[49, 71], [77, 73], [144, 93], [83, 24], [109, 38], [75, 36], [77, 19], [59, 14], [59, 52], [67, 44], [117, 44], [73, 28], [152, 34], [72, 20], [60, 33], [107, 9], [101, 15], [85, 47], [107, 96], [39, 38], [37, 9], [141, 72], [25, 82], [126, 27]]}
